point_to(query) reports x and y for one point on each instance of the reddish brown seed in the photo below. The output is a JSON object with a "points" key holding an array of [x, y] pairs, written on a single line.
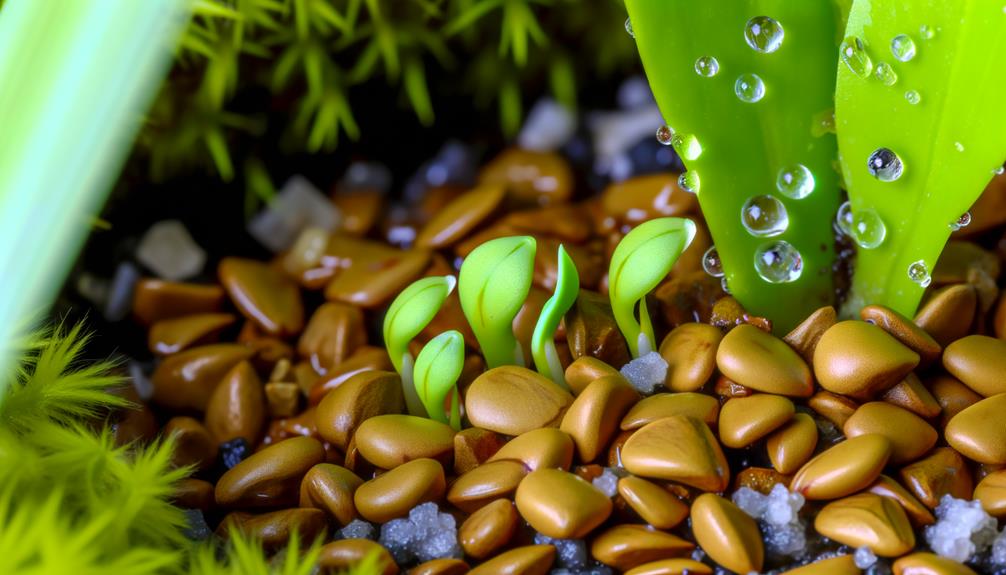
{"points": [[186, 380], [910, 394], [191, 493], [441, 567], [531, 178], [172, 335], [460, 217], [474, 446], [332, 334], [584, 370], [375, 278], [338, 556], [760, 479], [263, 295], [918, 514], [951, 395], [273, 529], [529, 560], [360, 210], [237, 406], [563, 221], [488, 529], [397, 491], [154, 300], [362, 396], [941, 472], [366, 358], [330, 488], [904, 329], [486, 483], [194, 445], [643, 198], [591, 330], [833, 407], [270, 477]]}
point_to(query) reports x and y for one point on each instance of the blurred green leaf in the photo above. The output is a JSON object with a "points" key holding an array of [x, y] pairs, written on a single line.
{"points": [[438, 367]]}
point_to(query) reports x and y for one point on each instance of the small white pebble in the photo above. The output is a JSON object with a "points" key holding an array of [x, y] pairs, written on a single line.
{"points": [[606, 482], [168, 250], [864, 558], [962, 529], [646, 372], [999, 550]]}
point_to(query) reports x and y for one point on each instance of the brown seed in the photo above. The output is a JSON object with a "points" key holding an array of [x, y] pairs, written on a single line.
{"points": [[588, 260], [660, 405], [867, 520], [761, 479], [237, 406], [745, 420], [194, 445], [302, 424], [169, 336], [531, 178], [560, 504], [643, 198], [585, 370], [948, 314], [592, 418], [460, 217], [270, 477], [591, 330], [513, 400], [473, 447], [374, 279], [991, 491], [485, 484], [859, 359], [390, 440], [154, 300], [186, 380], [910, 394], [677, 448], [345, 554], [362, 396], [910, 435], [728, 313], [488, 529], [366, 358], [727, 534], [727, 389], [688, 297], [282, 398], [273, 529], [563, 221], [672, 567], [979, 361], [904, 329], [690, 352], [999, 319], [626, 546], [793, 444], [917, 513], [654, 504], [330, 488], [539, 449], [952, 396], [833, 407], [528, 560], [844, 468], [359, 209], [332, 334], [922, 563], [841, 565], [941, 472], [263, 295], [761, 361], [979, 431], [805, 336], [394, 493], [441, 567], [191, 493]]}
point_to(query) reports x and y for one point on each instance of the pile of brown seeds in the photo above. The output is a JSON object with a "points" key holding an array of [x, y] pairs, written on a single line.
{"points": [[817, 452]]}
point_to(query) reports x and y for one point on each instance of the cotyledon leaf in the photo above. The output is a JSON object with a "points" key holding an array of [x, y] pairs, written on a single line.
{"points": [[493, 283], [567, 287], [641, 260], [438, 367]]}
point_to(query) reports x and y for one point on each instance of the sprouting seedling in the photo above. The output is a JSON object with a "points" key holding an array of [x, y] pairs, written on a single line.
{"points": [[494, 282], [438, 367], [746, 89], [641, 260], [412, 311], [920, 124], [567, 287]]}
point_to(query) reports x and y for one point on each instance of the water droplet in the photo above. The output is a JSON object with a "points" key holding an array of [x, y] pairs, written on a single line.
{"points": [[918, 272], [884, 165], [665, 135], [778, 262], [823, 123], [843, 219], [868, 229], [628, 27], [764, 216], [796, 181], [903, 47], [723, 284], [707, 66], [961, 222], [886, 74], [959, 146], [687, 146], [763, 34], [855, 57], [926, 32], [689, 181], [999, 171], [711, 263], [913, 97], [749, 88]]}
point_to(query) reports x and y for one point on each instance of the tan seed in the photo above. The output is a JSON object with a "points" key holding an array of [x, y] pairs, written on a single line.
{"points": [[940, 473], [593, 417], [917, 513], [333, 333], [390, 440], [360, 210], [460, 217], [745, 420], [488, 529], [642, 198], [904, 329], [805, 336], [394, 493], [237, 406], [841, 565], [194, 444], [979, 431], [330, 488], [867, 520], [991, 491], [910, 436], [585, 370], [531, 178], [270, 477], [700, 406], [690, 353], [485, 484], [729, 535], [844, 468], [672, 567], [273, 529], [910, 394], [191, 493], [282, 398], [979, 361], [374, 279], [172, 335], [793, 444], [859, 359], [441, 567], [626, 546], [154, 300], [563, 221], [539, 449], [528, 560], [654, 504], [513, 400], [952, 396], [677, 448], [362, 396], [264, 295], [761, 361], [339, 556], [591, 330], [186, 380], [922, 563], [560, 504], [833, 407], [949, 313], [474, 446], [366, 358]]}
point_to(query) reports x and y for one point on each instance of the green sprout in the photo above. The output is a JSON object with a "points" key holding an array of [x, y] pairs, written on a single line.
{"points": [[494, 282], [748, 102], [920, 124], [567, 287], [412, 311], [438, 367], [641, 260]]}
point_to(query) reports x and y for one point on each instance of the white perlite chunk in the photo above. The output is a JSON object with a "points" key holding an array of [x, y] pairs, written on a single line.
{"points": [[426, 535], [549, 125], [571, 554], [778, 516], [646, 372], [607, 482], [169, 251], [962, 529], [358, 529], [998, 556], [864, 558], [297, 206]]}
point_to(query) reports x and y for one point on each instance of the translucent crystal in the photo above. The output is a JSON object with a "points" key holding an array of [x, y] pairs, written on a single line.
{"points": [[962, 529], [168, 250], [427, 534], [864, 557], [297, 206], [607, 482], [570, 553], [646, 372], [358, 529], [548, 127]]}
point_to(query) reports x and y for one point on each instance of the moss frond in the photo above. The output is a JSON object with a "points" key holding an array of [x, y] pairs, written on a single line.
{"points": [[244, 556]]}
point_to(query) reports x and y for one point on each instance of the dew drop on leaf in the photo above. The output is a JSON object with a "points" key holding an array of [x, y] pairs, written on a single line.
{"points": [[884, 165], [843, 219], [868, 230], [723, 284], [763, 34], [707, 66], [999, 171], [853, 53], [711, 263], [961, 222], [823, 123], [959, 146], [778, 262], [665, 135], [689, 181], [687, 146], [764, 216], [749, 88], [796, 181], [913, 97], [903, 47], [628, 27], [926, 32], [918, 272], [886, 74]]}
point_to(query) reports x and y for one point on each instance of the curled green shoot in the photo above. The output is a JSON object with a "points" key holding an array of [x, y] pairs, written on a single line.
{"points": [[493, 283], [567, 287], [641, 260], [438, 367], [412, 311]]}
